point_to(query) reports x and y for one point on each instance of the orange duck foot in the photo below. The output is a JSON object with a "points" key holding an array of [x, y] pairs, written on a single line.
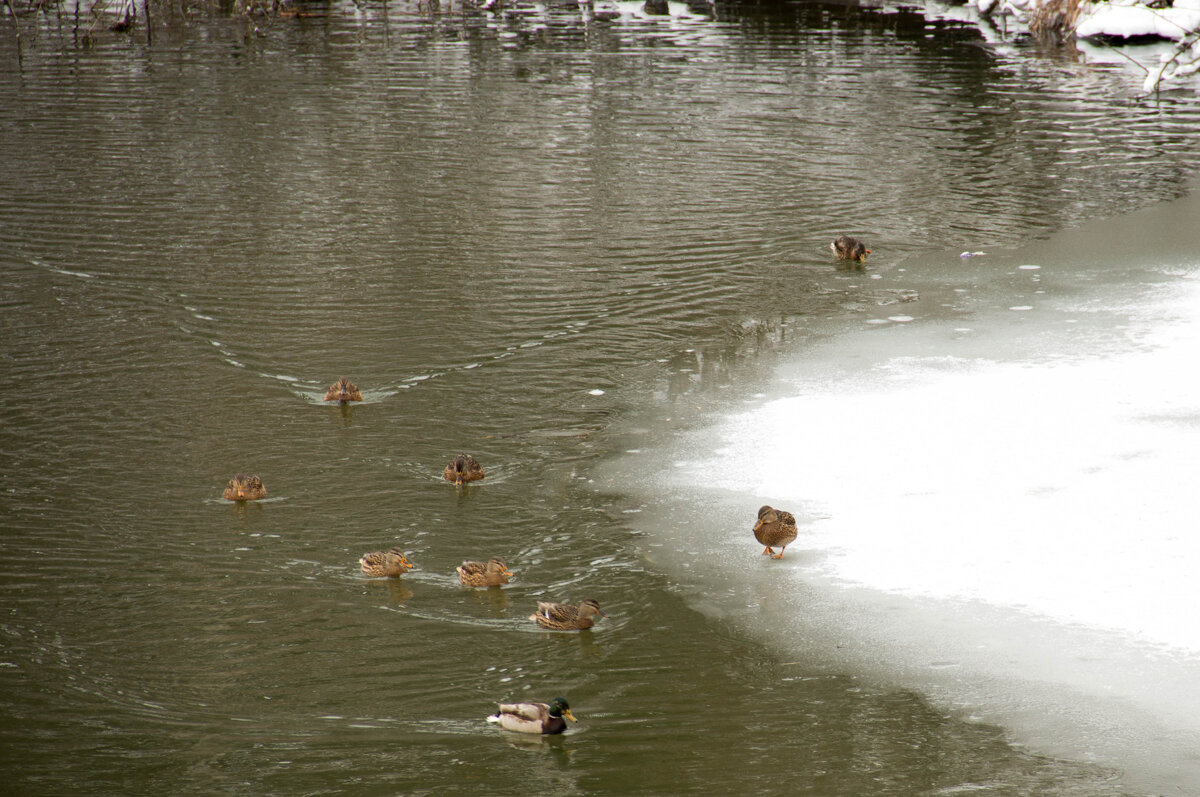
{"points": [[778, 555], [769, 550]]}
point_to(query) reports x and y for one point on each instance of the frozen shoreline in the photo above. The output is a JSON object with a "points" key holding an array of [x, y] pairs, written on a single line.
{"points": [[994, 511]]}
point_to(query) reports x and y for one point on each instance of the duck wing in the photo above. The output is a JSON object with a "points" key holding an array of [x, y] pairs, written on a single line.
{"points": [[559, 612], [532, 712]]}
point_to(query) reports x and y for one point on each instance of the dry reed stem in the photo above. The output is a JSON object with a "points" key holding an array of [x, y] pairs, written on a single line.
{"points": [[1056, 18]]}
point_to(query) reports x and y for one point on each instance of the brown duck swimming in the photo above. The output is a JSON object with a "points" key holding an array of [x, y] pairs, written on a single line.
{"points": [[847, 248], [385, 564], [565, 617], [774, 529], [492, 573], [343, 390], [534, 717], [463, 468], [245, 488]]}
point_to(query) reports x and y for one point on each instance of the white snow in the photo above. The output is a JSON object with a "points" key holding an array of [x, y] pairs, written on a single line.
{"points": [[1129, 21], [1061, 489]]}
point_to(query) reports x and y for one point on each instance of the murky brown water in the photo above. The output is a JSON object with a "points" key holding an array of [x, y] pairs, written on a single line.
{"points": [[515, 231]]}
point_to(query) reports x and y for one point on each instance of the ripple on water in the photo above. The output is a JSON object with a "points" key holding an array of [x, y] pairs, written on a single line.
{"points": [[488, 220]]}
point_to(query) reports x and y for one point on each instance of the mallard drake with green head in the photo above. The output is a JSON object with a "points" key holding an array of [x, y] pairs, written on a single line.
{"points": [[463, 468], [775, 528], [491, 573], [385, 564], [534, 717], [245, 488], [847, 248], [565, 617], [342, 391]]}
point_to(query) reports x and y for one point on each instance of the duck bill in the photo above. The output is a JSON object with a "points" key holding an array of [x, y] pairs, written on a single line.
{"points": [[567, 713]]}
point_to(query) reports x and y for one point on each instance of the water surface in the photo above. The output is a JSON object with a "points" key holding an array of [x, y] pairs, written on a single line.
{"points": [[529, 235]]}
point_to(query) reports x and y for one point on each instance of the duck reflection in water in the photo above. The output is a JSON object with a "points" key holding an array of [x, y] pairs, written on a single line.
{"points": [[495, 602], [397, 590]]}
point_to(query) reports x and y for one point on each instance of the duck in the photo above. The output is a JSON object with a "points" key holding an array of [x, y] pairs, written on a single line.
{"points": [[463, 468], [534, 717], [492, 573], [565, 617], [847, 248], [385, 564], [245, 488], [343, 391], [774, 528]]}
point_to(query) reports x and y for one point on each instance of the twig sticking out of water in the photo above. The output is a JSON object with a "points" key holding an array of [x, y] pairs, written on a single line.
{"points": [[1184, 61]]}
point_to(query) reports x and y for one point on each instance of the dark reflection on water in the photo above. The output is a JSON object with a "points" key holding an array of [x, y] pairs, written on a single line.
{"points": [[513, 230]]}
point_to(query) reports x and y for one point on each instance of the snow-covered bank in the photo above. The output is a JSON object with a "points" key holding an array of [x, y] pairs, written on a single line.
{"points": [[1125, 20], [1129, 20], [1164, 42], [1116, 19]]}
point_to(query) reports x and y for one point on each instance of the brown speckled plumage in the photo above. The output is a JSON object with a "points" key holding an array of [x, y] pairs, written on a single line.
{"points": [[491, 573], [343, 390], [245, 488], [565, 617], [775, 528], [385, 564], [463, 468], [847, 248]]}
